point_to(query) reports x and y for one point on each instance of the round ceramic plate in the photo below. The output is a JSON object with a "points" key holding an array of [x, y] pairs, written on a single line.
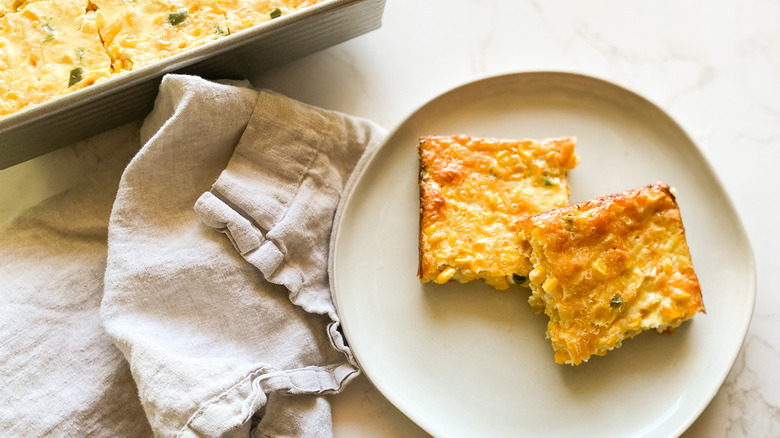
{"points": [[465, 360]]}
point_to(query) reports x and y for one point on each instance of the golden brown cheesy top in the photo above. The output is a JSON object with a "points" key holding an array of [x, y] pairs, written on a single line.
{"points": [[608, 269], [473, 191]]}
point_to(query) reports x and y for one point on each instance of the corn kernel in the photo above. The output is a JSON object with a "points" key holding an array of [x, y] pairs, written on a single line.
{"points": [[561, 357], [670, 313], [550, 284], [445, 275], [538, 273], [129, 42], [500, 283], [681, 295], [600, 266]]}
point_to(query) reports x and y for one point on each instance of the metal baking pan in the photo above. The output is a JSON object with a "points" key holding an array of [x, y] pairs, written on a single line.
{"points": [[128, 96]]}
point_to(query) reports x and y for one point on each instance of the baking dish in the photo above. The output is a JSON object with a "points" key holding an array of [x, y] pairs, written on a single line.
{"points": [[127, 96]]}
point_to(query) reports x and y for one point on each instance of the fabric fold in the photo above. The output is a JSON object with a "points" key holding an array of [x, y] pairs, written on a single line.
{"points": [[246, 239], [216, 287], [60, 371], [286, 176]]}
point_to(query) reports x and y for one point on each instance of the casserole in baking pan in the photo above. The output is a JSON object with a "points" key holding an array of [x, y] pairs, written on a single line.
{"points": [[103, 61]]}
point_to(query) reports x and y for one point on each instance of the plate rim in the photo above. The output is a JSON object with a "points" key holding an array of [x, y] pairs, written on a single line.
{"points": [[368, 158]]}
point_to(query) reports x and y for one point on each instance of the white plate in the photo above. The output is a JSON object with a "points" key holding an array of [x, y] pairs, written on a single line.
{"points": [[468, 361]]}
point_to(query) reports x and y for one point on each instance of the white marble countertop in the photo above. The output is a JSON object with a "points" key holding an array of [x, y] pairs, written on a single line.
{"points": [[713, 66]]}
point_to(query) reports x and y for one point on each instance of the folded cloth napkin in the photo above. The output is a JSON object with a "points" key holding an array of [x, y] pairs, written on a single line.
{"points": [[213, 283]]}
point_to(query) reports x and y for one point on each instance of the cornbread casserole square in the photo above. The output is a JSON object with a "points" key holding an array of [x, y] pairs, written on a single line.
{"points": [[472, 193], [607, 269]]}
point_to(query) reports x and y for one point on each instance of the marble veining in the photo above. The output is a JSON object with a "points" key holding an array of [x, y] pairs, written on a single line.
{"points": [[755, 400]]}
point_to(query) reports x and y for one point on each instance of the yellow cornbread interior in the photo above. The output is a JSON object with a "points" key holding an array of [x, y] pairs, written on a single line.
{"points": [[243, 14], [608, 269], [472, 193], [47, 49], [141, 32], [52, 47]]}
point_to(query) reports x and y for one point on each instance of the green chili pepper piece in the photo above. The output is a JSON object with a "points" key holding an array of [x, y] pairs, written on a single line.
{"points": [[276, 13], [568, 224], [49, 32], [616, 301], [75, 76], [177, 18]]}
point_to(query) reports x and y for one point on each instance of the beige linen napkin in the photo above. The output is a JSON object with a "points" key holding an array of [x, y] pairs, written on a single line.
{"points": [[61, 375], [215, 284]]}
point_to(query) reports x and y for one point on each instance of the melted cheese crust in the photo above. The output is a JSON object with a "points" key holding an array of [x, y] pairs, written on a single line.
{"points": [[52, 47], [41, 45], [243, 14], [472, 192], [138, 33], [608, 269]]}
